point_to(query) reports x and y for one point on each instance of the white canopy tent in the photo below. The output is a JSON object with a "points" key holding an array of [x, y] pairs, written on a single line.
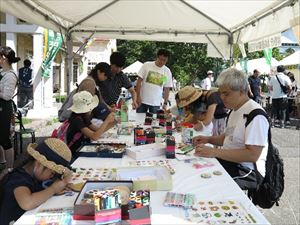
{"points": [[133, 68], [293, 59], [218, 23], [259, 64]]}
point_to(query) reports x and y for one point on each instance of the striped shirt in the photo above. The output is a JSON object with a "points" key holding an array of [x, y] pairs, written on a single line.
{"points": [[111, 88], [8, 84]]}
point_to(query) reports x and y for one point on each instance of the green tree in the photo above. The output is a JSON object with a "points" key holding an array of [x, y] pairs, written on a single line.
{"points": [[188, 61]]}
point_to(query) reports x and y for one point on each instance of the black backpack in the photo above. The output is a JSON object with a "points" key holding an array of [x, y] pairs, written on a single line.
{"points": [[270, 190]]}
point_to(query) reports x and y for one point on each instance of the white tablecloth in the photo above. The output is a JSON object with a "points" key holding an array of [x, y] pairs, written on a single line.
{"points": [[186, 179]]}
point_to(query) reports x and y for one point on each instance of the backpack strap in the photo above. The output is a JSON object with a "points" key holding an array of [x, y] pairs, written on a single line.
{"points": [[228, 117], [251, 116]]}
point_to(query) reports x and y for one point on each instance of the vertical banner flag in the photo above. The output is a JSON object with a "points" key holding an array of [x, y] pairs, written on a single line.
{"points": [[268, 55], [242, 49], [52, 43], [244, 64]]}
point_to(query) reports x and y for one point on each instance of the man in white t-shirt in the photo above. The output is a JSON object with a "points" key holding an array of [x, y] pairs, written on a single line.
{"points": [[154, 82], [242, 146], [279, 98], [206, 83]]}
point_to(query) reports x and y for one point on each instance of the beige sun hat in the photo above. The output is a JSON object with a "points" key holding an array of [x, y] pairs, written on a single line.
{"points": [[187, 95], [84, 102], [52, 153]]}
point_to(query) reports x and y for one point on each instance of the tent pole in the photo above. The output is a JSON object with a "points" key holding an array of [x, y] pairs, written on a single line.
{"points": [[205, 15], [69, 61], [35, 9], [92, 14], [83, 44]]}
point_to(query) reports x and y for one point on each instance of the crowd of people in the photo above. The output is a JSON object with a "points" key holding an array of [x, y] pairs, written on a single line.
{"points": [[219, 112]]}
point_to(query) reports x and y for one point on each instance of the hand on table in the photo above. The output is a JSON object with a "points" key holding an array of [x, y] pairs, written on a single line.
{"points": [[60, 184], [205, 151], [200, 140]]}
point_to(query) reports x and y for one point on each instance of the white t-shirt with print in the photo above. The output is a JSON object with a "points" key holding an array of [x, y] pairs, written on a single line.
{"points": [[256, 133], [154, 80], [277, 91]]}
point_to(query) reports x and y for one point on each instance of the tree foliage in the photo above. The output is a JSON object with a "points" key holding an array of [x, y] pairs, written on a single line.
{"points": [[188, 61]]}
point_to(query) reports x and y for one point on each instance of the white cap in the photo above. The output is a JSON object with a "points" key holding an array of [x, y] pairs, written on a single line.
{"points": [[210, 72]]}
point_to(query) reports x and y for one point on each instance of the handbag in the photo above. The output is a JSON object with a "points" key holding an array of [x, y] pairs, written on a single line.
{"points": [[283, 88]]}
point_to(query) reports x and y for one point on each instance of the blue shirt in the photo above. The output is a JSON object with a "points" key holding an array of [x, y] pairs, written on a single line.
{"points": [[254, 83], [9, 208], [25, 75]]}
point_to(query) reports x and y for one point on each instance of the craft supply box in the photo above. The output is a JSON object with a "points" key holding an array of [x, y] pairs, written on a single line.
{"points": [[161, 177], [87, 211], [105, 153], [146, 151]]}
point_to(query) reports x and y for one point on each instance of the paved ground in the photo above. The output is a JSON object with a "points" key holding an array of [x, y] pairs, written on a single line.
{"points": [[288, 142]]}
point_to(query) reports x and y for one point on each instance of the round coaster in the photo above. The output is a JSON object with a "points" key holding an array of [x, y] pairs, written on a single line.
{"points": [[205, 175], [217, 173]]}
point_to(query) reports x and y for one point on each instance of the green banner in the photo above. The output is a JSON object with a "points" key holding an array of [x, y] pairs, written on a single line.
{"points": [[52, 44], [268, 55], [244, 65]]}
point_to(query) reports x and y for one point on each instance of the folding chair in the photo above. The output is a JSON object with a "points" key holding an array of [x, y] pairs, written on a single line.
{"points": [[18, 137]]}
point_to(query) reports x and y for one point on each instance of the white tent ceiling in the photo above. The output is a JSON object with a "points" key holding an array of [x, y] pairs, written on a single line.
{"points": [[218, 23]]}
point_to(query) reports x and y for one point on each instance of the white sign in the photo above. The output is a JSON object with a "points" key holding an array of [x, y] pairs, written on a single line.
{"points": [[268, 42]]}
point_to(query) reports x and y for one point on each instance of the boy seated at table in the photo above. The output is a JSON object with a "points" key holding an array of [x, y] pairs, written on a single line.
{"points": [[22, 189], [81, 129]]}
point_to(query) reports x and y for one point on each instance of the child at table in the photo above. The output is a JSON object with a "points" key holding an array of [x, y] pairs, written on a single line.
{"points": [[22, 190], [80, 121]]}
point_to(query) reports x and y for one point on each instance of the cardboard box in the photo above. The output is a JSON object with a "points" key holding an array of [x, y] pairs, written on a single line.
{"points": [[87, 211], [153, 178], [146, 151]]}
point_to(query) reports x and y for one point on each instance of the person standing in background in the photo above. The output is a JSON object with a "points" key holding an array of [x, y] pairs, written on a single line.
{"points": [[254, 86], [111, 88], [25, 93], [206, 83], [291, 97], [155, 81], [8, 84], [279, 98]]}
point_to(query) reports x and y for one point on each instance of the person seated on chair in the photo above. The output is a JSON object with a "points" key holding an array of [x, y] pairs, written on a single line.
{"points": [[80, 121], [204, 100], [22, 189], [242, 146]]}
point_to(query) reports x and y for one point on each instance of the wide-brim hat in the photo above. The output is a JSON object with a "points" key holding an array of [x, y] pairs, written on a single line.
{"points": [[84, 102], [52, 153], [187, 95]]}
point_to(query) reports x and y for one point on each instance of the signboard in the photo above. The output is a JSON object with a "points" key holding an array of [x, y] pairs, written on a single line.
{"points": [[268, 42]]}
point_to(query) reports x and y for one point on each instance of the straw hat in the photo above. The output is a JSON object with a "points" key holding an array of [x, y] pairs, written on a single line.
{"points": [[84, 102], [52, 153], [187, 95]]}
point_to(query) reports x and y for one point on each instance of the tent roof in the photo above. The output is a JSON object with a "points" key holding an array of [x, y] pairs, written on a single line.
{"points": [[293, 59], [133, 68], [218, 23], [260, 64]]}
